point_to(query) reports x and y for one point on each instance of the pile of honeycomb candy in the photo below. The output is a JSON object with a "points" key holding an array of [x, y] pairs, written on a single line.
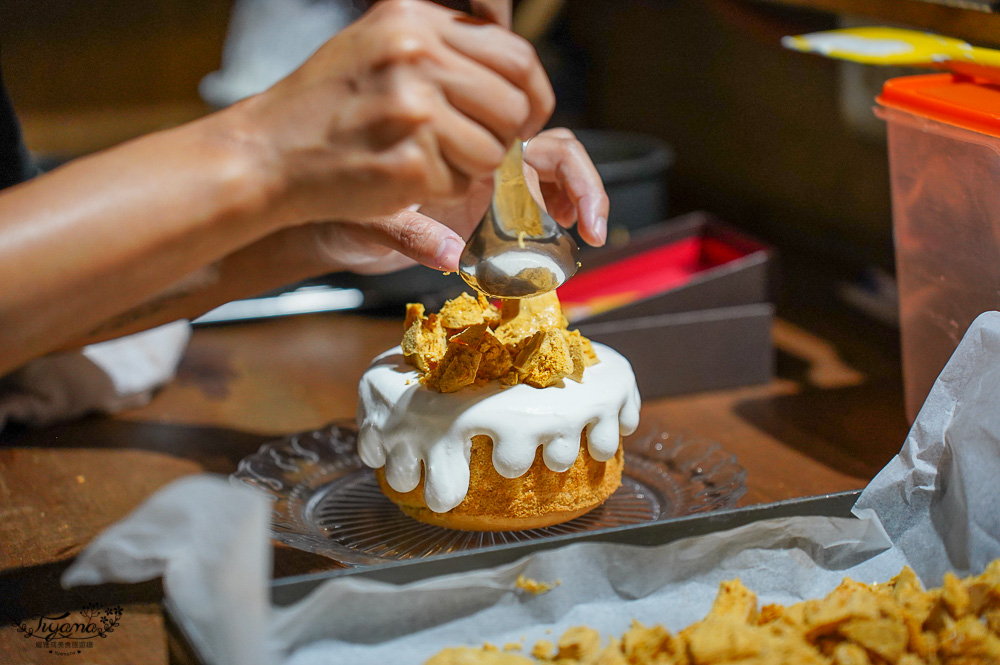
{"points": [[471, 342]]}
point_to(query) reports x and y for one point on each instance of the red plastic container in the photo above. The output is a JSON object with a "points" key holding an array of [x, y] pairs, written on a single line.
{"points": [[944, 160]]}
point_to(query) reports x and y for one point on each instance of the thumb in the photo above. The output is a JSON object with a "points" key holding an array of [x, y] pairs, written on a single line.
{"points": [[420, 238]]}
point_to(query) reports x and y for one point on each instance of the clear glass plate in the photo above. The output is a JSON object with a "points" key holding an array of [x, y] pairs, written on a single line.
{"points": [[328, 502]]}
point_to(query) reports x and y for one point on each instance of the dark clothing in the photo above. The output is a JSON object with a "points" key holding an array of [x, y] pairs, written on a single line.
{"points": [[16, 164]]}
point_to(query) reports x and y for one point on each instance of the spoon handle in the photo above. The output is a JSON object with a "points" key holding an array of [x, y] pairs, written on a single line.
{"points": [[516, 209]]}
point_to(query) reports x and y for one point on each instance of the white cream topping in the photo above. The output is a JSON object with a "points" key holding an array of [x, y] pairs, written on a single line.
{"points": [[405, 426]]}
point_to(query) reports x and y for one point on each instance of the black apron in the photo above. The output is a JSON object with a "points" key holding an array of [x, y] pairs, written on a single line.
{"points": [[16, 164]]}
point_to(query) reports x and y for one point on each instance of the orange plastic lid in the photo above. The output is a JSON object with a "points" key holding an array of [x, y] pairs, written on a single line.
{"points": [[954, 99]]}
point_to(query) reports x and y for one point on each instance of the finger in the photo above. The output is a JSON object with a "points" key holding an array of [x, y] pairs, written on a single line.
{"points": [[512, 58], [534, 186], [485, 97], [551, 197], [432, 162], [565, 162], [559, 205], [467, 146], [344, 246], [463, 215], [418, 237]]}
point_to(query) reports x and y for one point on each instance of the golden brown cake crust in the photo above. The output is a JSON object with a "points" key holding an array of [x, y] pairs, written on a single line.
{"points": [[540, 497]]}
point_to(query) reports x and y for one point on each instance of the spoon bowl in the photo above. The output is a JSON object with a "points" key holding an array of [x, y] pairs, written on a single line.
{"points": [[518, 250]]}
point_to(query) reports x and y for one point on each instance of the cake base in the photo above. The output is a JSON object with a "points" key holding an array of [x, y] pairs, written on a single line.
{"points": [[539, 498]]}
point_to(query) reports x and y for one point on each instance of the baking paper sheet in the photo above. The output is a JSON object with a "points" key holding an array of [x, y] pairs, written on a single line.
{"points": [[933, 508]]}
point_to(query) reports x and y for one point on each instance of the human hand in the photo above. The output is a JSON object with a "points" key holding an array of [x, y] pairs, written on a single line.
{"points": [[558, 169], [412, 103]]}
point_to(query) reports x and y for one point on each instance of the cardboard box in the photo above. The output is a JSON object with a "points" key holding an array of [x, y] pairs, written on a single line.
{"points": [[706, 326]]}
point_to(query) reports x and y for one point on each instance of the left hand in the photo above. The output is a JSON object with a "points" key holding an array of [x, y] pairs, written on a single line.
{"points": [[558, 169]]}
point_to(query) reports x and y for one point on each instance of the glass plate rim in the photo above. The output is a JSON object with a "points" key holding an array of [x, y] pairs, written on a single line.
{"points": [[301, 460]]}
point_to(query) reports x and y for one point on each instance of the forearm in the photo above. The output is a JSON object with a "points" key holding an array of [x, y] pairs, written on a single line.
{"points": [[279, 259], [103, 234]]}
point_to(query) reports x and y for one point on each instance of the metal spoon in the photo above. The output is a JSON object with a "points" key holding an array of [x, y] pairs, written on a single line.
{"points": [[518, 250]]}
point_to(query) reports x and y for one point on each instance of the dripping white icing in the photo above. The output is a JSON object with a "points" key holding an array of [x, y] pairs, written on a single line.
{"points": [[405, 426]]}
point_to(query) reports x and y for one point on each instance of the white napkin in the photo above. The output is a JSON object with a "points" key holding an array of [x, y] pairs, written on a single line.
{"points": [[208, 539], [106, 377]]}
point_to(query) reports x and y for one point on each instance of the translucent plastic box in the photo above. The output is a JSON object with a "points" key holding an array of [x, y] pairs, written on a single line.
{"points": [[944, 159]]}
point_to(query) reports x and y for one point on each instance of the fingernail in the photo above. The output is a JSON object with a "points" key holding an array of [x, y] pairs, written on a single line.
{"points": [[447, 254], [601, 224]]}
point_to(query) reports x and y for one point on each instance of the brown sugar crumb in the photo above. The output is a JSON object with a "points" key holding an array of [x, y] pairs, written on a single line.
{"points": [[856, 624], [470, 656], [472, 342], [534, 587], [512, 646]]}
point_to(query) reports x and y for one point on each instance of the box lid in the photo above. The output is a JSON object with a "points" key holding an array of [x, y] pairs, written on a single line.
{"points": [[955, 99]]}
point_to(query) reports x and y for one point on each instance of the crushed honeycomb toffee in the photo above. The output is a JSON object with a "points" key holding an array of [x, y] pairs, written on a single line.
{"points": [[472, 342]]}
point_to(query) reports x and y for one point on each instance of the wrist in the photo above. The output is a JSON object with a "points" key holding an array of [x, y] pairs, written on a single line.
{"points": [[247, 166]]}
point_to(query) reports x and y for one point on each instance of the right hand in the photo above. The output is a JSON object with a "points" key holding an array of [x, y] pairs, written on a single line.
{"points": [[410, 104]]}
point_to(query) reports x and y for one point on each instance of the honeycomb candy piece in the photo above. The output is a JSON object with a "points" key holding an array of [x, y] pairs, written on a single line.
{"points": [[969, 641], [713, 640], [850, 600], [734, 601], [613, 655], [496, 361], [414, 312], [589, 355], [544, 650], [457, 369], [544, 360], [886, 638], [579, 642], [910, 659], [461, 312], [846, 653], [424, 343], [955, 596], [648, 645], [576, 354], [510, 378]]}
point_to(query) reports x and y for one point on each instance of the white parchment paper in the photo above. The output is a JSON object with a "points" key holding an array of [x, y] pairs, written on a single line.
{"points": [[933, 508]]}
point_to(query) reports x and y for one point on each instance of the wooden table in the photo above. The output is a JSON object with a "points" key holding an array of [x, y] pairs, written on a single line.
{"points": [[826, 424]]}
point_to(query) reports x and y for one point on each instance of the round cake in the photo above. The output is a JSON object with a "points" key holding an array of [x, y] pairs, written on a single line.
{"points": [[496, 457]]}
